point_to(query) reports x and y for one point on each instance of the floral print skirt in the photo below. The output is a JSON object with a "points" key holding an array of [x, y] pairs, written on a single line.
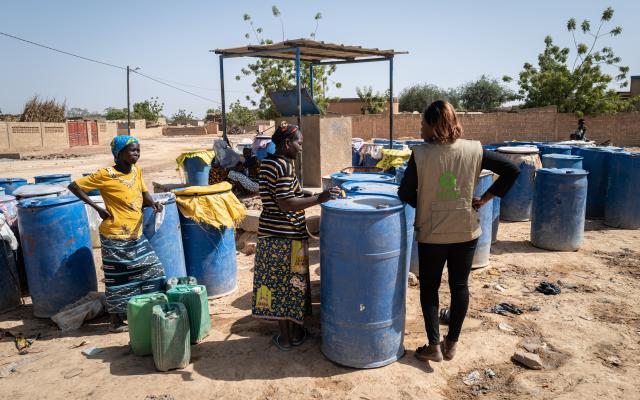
{"points": [[281, 286]]}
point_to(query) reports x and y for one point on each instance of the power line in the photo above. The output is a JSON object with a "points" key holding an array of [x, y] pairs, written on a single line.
{"points": [[174, 87], [111, 65], [62, 51]]}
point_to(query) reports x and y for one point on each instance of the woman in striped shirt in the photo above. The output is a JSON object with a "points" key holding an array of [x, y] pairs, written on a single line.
{"points": [[281, 287]]}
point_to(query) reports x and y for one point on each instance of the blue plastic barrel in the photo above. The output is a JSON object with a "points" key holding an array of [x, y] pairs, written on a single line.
{"points": [[516, 204], [554, 149], [39, 190], [339, 178], [561, 161], [362, 296], [389, 189], [557, 220], [412, 143], [596, 161], [53, 179], [58, 257], [622, 209], [2, 192], [167, 240], [10, 296], [197, 171], [262, 153], [380, 141], [495, 215], [485, 214], [95, 192], [11, 184], [210, 256], [355, 157]]}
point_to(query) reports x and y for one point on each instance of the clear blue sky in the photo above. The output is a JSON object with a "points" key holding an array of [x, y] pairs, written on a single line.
{"points": [[450, 43]]}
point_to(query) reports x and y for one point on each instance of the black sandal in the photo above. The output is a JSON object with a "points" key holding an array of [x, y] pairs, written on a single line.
{"points": [[276, 341], [303, 339]]}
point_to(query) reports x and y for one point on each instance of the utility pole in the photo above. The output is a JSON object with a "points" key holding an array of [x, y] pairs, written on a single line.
{"points": [[128, 107]]}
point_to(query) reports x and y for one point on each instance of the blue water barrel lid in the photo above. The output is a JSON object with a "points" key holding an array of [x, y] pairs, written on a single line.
{"points": [[555, 146], [625, 154], [518, 149], [38, 189], [12, 180], [597, 149], [368, 203], [563, 156], [53, 176], [165, 197], [47, 201], [563, 171], [365, 176], [371, 187], [5, 198]]}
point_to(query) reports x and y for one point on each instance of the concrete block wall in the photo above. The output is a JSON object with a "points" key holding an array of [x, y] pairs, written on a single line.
{"points": [[4, 136], [107, 131], [54, 136]]}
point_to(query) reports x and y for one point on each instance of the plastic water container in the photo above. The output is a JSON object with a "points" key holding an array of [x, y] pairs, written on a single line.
{"points": [[139, 317], [390, 189], [58, 258], [170, 336], [262, 153], [622, 209], [39, 190], [561, 161], [210, 256], [195, 299], [338, 178], [173, 281], [167, 240], [11, 184], [557, 221], [362, 305], [485, 214], [59, 179], [495, 215], [516, 204], [197, 171], [596, 161]]}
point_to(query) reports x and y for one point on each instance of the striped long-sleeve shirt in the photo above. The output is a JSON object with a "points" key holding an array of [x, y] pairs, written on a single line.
{"points": [[279, 181]]}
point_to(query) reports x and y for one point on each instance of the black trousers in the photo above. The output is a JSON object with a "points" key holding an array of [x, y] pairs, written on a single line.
{"points": [[459, 257]]}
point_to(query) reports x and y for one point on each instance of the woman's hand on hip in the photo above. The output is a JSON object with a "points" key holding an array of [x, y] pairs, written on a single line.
{"points": [[104, 214]]}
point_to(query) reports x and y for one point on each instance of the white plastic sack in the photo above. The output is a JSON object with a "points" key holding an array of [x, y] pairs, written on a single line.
{"points": [[87, 308], [94, 221], [6, 234]]}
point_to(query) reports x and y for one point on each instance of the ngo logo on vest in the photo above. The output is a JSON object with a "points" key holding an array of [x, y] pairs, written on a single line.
{"points": [[448, 185]]}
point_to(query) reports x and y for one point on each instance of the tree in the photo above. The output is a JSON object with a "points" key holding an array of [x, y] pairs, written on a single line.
{"points": [[149, 110], [181, 117], [581, 85], [75, 112], [484, 94], [240, 116], [418, 97], [112, 113], [213, 114], [375, 102], [37, 110], [273, 75]]}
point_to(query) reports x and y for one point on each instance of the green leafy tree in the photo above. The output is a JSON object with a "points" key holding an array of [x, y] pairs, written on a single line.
{"points": [[213, 114], [149, 110], [240, 116], [181, 117], [484, 94], [580, 85], [273, 75], [112, 113], [418, 97], [375, 102]]}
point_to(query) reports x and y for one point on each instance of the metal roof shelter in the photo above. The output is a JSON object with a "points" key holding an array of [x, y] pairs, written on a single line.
{"points": [[315, 53]]}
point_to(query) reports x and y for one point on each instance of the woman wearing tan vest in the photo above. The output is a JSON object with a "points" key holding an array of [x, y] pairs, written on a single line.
{"points": [[439, 182]]}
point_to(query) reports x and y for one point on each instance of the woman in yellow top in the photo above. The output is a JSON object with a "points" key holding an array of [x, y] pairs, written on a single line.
{"points": [[131, 266]]}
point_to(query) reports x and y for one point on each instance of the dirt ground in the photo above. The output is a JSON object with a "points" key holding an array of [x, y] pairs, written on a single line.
{"points": [[593, 325]]}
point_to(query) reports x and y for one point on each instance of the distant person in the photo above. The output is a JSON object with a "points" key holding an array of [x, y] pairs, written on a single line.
{"points": [[131, 266], [581, 132], [230, 166], [439, 182], [281, 282]]}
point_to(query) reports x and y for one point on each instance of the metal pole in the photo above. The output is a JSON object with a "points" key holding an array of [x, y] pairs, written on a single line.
{"points": [[299, 106], [311, 80], [391, 103], [128, 107], [224, 110]]}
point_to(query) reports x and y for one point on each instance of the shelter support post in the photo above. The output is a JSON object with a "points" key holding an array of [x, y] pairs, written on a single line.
{"points": [[391, 102], [224, 109]]}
